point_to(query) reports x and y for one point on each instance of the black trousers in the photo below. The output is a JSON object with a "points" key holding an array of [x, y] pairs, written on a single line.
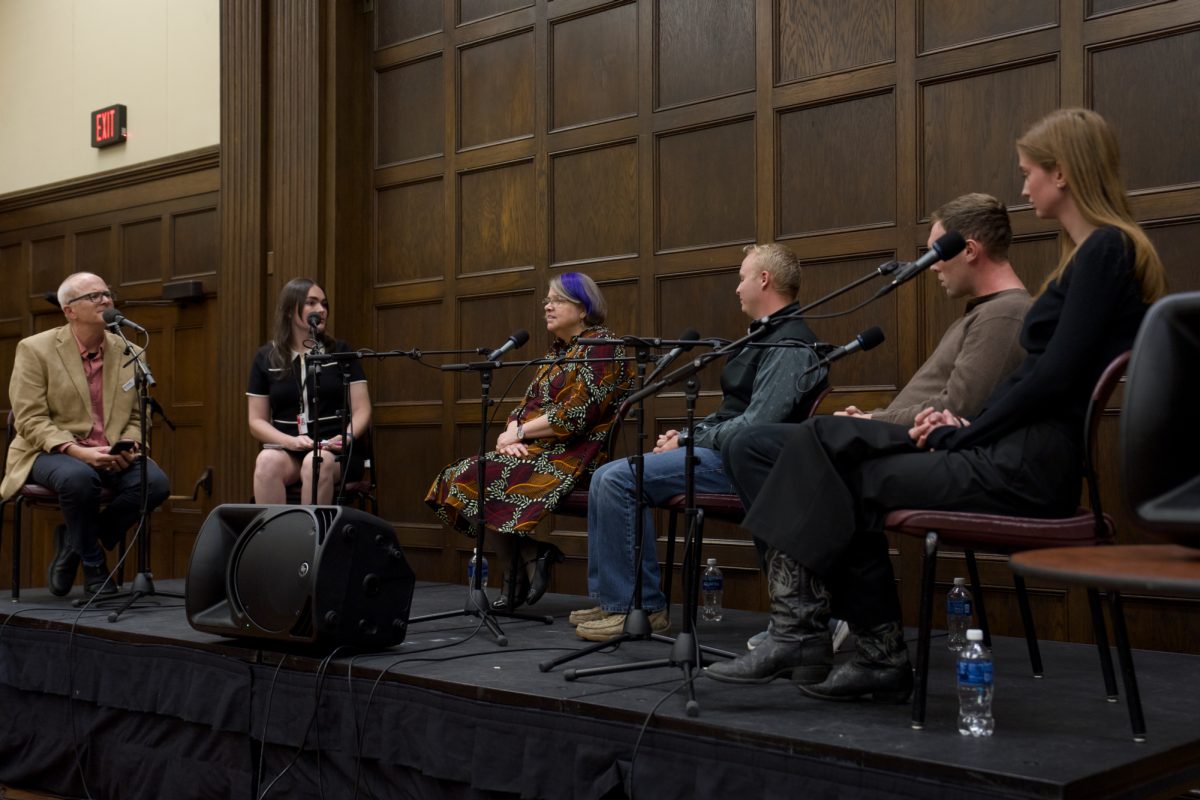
{"points": [[819, 491]]}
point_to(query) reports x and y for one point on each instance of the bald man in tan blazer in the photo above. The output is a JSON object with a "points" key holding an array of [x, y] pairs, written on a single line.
{"points": [[73, 398]]}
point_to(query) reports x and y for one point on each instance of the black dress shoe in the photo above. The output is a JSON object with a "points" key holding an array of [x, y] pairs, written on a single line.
{"points": [[512, 577], [541, 567], [96, 580], [61, 574]]}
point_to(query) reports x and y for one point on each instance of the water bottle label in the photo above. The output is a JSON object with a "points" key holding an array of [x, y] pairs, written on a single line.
{"points": [[975, 673], [960, 607], [712, 583]]}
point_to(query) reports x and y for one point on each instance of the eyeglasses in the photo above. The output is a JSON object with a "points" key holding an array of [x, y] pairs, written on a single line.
{"points": [[94, 297], [555, 300]]}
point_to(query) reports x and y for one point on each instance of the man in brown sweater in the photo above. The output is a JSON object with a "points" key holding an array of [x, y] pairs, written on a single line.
{"points": [[981, 347]]}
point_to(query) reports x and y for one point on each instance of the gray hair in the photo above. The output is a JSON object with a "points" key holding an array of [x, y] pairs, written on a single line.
{"points": [[67, 290], [583, 291]]}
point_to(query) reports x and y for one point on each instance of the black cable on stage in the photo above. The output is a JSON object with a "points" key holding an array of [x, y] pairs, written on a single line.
{"points": [[646, 724]]}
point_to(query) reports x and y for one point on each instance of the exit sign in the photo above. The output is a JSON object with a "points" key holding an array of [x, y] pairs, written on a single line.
{"points": [[108, 126]]}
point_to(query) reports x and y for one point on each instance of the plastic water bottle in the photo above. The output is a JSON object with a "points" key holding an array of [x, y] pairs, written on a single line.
{"points": [[975, 687], [471, 572], [958, 614], [712, 587]]}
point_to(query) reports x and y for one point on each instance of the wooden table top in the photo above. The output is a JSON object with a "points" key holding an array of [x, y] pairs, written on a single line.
{"points": [[1169, 568]]}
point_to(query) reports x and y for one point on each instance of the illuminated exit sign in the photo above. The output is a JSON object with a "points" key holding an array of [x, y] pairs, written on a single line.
{"points": [[108, 126]]}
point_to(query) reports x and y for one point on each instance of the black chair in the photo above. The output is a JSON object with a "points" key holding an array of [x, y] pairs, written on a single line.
{"points": [[1160, 438], [993, 533]]}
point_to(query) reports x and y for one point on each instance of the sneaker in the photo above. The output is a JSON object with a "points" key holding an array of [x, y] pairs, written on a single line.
{"points": [[586, 615], [612, 626]]}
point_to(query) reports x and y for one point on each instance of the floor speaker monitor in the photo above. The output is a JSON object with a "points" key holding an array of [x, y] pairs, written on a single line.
{"points": [[304, 574]]}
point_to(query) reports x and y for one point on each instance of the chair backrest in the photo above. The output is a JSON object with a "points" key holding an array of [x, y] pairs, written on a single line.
{"points": [[1101, 393], [816, 400], [1160, 435]]}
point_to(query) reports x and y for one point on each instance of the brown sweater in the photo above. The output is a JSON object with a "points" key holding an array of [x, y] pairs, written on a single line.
{"points": [[975, 353]]}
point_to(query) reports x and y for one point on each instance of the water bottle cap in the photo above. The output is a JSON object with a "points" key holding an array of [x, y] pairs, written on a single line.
{"points": [[960, 581], [712, 562], [974, 635]]}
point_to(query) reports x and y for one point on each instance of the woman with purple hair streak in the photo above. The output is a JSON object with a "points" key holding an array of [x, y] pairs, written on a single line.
{"points": [[553, 438]]}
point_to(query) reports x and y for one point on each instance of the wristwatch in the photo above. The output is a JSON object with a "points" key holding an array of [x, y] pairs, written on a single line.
{"points": [[521, 431]]}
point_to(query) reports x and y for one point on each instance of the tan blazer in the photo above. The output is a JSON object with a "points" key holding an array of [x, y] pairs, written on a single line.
{"points": [[50, 400]]}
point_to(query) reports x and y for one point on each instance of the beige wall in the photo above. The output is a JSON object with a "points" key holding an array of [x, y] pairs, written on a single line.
{"points": [[62, 59]]}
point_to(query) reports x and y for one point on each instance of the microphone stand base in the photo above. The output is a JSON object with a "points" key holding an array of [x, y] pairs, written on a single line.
{"points": [[478, 605]]}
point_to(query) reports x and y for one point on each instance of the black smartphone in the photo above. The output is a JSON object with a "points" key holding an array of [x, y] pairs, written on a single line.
{"points": [[122, 446]]}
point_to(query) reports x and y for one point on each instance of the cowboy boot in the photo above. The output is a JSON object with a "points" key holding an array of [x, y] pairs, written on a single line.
{"points": [[799, 643], [879, 670]]}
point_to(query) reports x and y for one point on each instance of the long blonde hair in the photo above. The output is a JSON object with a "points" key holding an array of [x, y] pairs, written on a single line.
{"points": [[1080, 143]]}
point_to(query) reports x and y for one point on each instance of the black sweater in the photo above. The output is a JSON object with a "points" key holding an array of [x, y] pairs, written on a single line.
{"points": [[1080, 323]]}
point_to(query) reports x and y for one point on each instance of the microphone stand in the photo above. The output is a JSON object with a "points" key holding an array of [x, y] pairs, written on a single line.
{"points": [[314, 405], [143, 582], [477, 603], [637, 623]]}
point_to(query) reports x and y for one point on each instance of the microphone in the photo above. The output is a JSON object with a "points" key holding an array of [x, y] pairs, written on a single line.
{"points": [[314, 319], [947, 246], [867, 340], [518, 339], [114, 319], [690, 335]]}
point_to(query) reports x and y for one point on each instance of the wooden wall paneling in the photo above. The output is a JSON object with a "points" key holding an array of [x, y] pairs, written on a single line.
{"points": [[691, 39], [141, 251], [48, 264], [983, 160], [404, 327], [94, 252], [705, 186], [195, 249], [1178, 246], [404, 216], [827, 36], [475, 10], [408, 99], [401, 20], [594, 74], [1153, 79], [242, 286], [849, 144], [946, 23], [486, 321], [707, 302], [496, 85], [1096, 8], [496, 218], [594, 204]]}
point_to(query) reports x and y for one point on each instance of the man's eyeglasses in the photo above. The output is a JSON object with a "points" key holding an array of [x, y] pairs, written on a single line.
{"points": [[93, 297]]}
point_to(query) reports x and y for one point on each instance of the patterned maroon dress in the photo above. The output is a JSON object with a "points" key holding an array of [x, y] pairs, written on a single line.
{"points": [[581, 401]]}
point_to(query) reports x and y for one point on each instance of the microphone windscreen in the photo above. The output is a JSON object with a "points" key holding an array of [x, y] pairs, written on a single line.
{"points": [[111, 315], [872, 338], [520, 338], [314, 319], [52, 299], [690, 335], [949, 244]]}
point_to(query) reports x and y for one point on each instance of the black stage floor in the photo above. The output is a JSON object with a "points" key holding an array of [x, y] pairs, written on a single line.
{"points": [[160, 710]]}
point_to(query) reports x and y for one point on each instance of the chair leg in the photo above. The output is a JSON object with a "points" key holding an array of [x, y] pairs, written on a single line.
{"points": [[1101, 632], [16, 548], [928, 568], [977, 590], [669, 567], [1031, 642], [1132, 697]]}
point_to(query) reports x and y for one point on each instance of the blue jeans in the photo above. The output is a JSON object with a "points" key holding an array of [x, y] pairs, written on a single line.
{"points": [[78, 487], [612, 518]]}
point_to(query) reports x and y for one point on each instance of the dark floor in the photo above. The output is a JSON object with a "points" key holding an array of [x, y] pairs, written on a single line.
{"points": [[1055, 737]]}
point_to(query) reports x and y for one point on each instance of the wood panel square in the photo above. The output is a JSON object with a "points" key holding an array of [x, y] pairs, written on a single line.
{"points": [[707, 302], [410, 122], [495, 102], [838, 164], [1177, 246], [400, 380], [400, 20], [47, 262], [967, 145], [195, 247], [409, 457], [487, 321], [190, 386], [141, 251], [472, 10], [595, 67], [704, 50], [93, 252], [946, 23], [13, 301], [705, 186], [410, 224], [594, 203], [818, 37], [1152, 80], [497, 218]]}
